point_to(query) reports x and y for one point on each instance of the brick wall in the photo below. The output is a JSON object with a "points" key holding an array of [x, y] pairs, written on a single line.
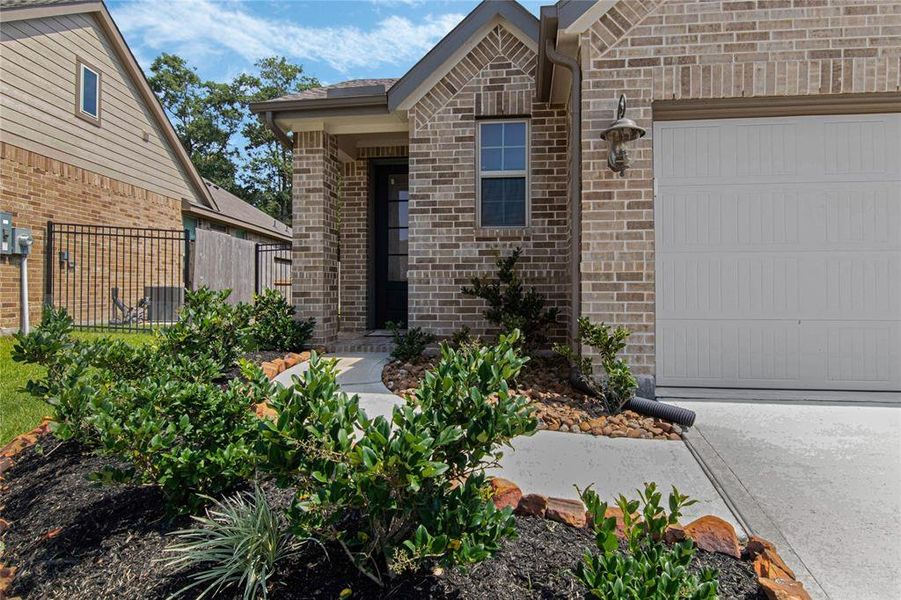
{"points": [[315, 253], [496, 78], [37, 189], [680, 49], [355, 235]]}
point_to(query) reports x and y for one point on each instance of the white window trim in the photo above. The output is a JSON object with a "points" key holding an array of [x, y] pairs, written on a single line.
{"points": [[527, 173], [80, 67]]}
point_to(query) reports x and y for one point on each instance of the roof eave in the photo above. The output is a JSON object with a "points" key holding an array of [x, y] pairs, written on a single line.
{"points": [[21, 13], [547, 34], [212, 215], [320, 104]]}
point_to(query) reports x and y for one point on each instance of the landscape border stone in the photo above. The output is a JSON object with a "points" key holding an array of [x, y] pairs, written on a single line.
{"points": [[709, 533]]}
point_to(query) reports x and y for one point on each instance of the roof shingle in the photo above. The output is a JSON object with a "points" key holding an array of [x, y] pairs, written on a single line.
{"points": [[232, 206], [323, 92]]}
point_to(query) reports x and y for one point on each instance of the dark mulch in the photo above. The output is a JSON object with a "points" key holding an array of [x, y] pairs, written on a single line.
{"points": [[74, 539]]}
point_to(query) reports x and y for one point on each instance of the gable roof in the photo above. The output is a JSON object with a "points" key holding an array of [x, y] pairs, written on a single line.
{"points": [[238, 212], [487, 10], [18, 10], [386, 95]]}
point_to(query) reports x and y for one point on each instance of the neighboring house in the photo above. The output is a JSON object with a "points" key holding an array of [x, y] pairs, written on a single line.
{"points": [[754, 243], [84, 140]]}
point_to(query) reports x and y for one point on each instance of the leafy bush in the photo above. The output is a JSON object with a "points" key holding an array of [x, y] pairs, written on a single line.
{"points": [[617, 385], [209, 326], [76, 371], [463, 338], [274, 326], [395, 494], [49, 344], [651, 570], [239, 543], [510, 306], [409, 346], [178, 430]]}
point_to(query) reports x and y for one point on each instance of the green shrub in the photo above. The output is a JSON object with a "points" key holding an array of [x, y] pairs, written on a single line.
{"points": [[274, 325], [410, 345], [464, 338], [617, 385], [650, 570], [178, 430], [76, 371], [414, 483], [238, 544], [49, 345], [209, 326], [511, 306]]}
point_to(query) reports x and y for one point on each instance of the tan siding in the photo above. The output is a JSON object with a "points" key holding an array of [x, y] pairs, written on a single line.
{"points": [[37, 88]]}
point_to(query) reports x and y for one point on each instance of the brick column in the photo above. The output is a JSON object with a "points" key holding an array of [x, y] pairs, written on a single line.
{"points": [[315, 255]]}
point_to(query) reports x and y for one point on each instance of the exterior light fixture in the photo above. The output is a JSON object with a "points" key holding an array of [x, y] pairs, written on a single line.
{"points": [[619, 133]]}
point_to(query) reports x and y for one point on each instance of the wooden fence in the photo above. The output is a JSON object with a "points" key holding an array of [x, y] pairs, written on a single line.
{"points": [[220, 261]]}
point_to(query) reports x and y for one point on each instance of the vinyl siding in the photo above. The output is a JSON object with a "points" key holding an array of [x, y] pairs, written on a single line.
{"points": [[37, 95]]}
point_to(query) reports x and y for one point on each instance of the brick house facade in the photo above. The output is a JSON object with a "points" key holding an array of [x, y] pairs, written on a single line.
{"points": [[684, 64], [680, 50], [37, 189]]}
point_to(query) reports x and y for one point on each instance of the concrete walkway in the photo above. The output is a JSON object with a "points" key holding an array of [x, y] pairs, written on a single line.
{"points": [[823, 482], [550, 462]]}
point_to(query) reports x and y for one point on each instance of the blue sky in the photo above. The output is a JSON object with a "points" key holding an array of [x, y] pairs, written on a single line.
{"points": [[333, 39]]}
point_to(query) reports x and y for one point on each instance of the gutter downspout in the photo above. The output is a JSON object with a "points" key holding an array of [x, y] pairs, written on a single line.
{"points": [[280, 134], [575, 182]]}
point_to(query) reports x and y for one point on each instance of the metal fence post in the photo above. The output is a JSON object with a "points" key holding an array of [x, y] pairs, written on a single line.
{"points": [[256, 270], [48, 265], [187, 266]]}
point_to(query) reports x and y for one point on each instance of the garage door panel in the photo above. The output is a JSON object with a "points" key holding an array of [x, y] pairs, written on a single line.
{"points": [[848, 355], [742, 151], [801, 216], [809, 286], [778, 259]]}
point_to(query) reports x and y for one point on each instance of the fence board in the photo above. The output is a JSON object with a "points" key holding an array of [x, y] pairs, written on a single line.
{"points": [[220, 261]]}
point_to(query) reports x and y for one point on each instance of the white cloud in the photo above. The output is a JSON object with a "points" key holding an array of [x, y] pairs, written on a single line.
{"points": [[203, 28]]}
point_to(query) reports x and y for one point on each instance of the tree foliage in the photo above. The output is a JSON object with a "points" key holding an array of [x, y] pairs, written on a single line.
{"points": [[226, 142], [266, 170]]}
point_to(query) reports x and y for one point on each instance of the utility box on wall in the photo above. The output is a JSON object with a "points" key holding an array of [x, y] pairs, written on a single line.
{"points": [[6, 233]]}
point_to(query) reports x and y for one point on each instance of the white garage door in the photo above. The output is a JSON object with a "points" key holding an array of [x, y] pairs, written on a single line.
{"points": [[779, 252]]}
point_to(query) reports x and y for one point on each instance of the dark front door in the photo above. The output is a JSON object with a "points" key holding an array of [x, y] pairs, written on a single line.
{"points": [[390, 222]]}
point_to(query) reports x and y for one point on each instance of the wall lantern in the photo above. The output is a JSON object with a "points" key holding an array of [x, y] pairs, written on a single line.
{"points": [[620, 132]]}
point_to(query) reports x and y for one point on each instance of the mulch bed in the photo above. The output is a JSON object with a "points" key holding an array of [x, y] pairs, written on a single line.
{"points": [[73, 539], [558, 405]]}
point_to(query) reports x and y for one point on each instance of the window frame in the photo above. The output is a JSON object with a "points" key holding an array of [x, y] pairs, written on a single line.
{"points": [[80, 66], [525, 173]]}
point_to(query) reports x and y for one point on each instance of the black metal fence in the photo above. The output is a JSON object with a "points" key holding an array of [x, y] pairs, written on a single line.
{"points": [[116, 277], [273, 268]]}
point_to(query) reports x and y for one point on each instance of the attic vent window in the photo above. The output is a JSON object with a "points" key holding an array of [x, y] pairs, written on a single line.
{"points": [[88, 92]]}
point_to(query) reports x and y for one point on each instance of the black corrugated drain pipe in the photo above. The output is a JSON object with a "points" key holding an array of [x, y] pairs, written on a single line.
{"points": [[643, 406]]}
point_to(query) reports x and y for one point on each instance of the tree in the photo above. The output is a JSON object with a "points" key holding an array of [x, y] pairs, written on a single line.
{"points": [[267, 170], [205, 114]]}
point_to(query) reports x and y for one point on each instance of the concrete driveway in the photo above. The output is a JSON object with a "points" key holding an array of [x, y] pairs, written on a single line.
{"points": [[823, 482]]}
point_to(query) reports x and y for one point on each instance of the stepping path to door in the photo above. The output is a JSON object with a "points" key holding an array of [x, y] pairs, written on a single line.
{"points": [[550, 462]]}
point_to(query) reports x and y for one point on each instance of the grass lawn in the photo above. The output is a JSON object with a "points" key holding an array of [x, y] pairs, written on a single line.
{"points": [[19, 410]]}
